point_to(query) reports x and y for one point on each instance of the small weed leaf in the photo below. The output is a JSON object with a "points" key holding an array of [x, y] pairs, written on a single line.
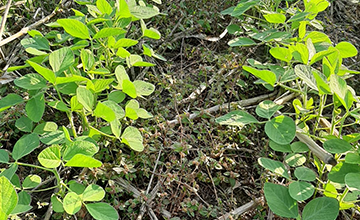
{"points": [[72, 203], [295, 160], [35, 107], [132, 137], [346, 49], [25, 145], [4, 156], [338, 172], [322, 208], [80, 160], [299, 147], [281, 129], [9, 101], [280, 201], [274, 166], [93, 193], [301, 191], [50, 157], [61, 59], [56, 204], [304, 173], [352, 181], [80, 147], [31, 181], [23, 204], [8, 198], [31, 82], [243, 7], [275, 18], [102, 211], [265, 75], [337, 146], [280, 148], [266, 109], [241, 42], [9, 172], [75, 28], [236, 118], [24, 124]]}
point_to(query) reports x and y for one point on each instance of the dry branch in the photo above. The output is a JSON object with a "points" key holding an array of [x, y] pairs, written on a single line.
{"points": [[242, 209]]}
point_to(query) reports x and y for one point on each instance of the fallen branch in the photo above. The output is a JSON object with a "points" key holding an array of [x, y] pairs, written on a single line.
{"points": [[242, 209]]}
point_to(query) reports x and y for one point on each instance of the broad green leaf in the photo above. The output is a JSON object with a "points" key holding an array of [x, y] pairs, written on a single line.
{"points": [[317, 37], [115, 127], [76, 187], [31, 181], [85, 97], [75, 28], [299, 16], [265, 75], [56, 203], [72, 203], [271, 35], [120, 74], [35, 107], [280, 201], [352, 158], [104, 112], [102, 211], [34, 51], [23, 204], [45, 72], [24, 124], [80, 147], [352, 181], [305, 74], [281, 129], [143, 12], [339, 88], [9, 173], [125, 42], [104, 6], [61, 59], [300, 53], [132, 137], [243, 6], [281, 53], [337, 146], [123, 53], [68, 79], [346, 49], [8, 198], [318, 56], [59, 105], [4, 156], [321, 82], [9, 101], [80, 160], [107, 32], [117, 96], [93, 193], [101, 84], [124, 11], [295, 160], [99, 71], [241, 41], [330, 191], [299, 147], [275, 18], [75, 104], [274, 166], [301, 191], [129, 88], [87, 59], [117, 109], [37, 42], [142, 63], [25, 145], [45, 127], [278, 147], [143, 88], [31, 82], [267, 108], [50, 157], [236, 118], [54, 137], [322, 208], [152, 33], [142, 113], [304, 173], [338, 172]]}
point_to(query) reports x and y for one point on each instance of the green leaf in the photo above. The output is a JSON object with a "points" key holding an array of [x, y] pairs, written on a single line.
{"points": [[69, 79], [299, 147], [280, 201], [104, 112], [87, 59], [241, 41], [37, 42], [72, 203], [45, 127], [101, 84], [236, 118], [278, 147], [31, 82], [132, 137], [152, 33], [118, 110], [54, 137], [275, 18], [9, 173], [338, 172], [337, 146], [116, 128], [107, 32], [8, 198], [104, 6], [100, 71], [85, 97], [243, 6], [274, 166], [35, 107], [143, 12], [267, 108], [317, 37], [265, 75], [61, 59], [125, 42], [117, 96], [59, 105], [75, 28], [301, 191], [321, 83], [322, 208], [50, 157], [56, 204], [80, 147], [352, 158], [339, 88], [304, 173], [31, 181], [24, 124], [124, 11], [93, 193], [281, 53], [25, 145], [281, 129], [305, 74], [102, 211], [129, 88], [23, 204], [123, 53], [143, 88], [4, 156], [352, 181], [346, 49], [295, 160], [45, 72], [80, 160], [9, 101]]}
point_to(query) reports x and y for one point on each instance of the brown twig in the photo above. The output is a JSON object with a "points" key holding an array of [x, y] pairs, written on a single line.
{"points": [[244, 208]]}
